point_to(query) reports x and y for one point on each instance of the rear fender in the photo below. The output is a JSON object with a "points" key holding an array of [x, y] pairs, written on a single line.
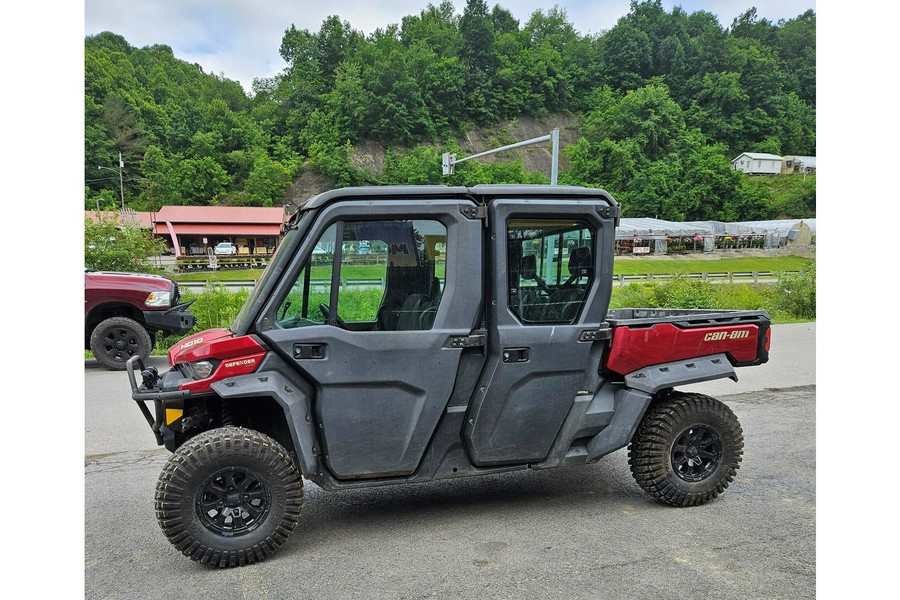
{"points": [[681, 372], [630, 402]]}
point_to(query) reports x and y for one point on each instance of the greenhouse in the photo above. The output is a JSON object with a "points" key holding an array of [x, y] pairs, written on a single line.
{"points": [[658, 236]]}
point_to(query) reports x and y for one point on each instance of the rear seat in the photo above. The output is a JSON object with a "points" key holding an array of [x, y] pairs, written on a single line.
{"points": [[566, 301], [531, 304], [411, 312]]}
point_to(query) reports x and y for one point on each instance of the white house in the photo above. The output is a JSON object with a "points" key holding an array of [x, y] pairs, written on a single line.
{"points": [[758, 163]]}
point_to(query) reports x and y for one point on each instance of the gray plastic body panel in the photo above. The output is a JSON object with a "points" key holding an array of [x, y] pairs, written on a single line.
{"points": [[681, 372], [629, 409]]}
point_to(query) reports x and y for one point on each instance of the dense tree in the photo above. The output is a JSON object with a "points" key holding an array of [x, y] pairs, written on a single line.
{"points": [[108, 246], [478, 53]]}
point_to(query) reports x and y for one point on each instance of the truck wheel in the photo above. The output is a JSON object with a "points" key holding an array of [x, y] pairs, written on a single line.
{"points": [[229, 496], [687, 449], [117, 339]]}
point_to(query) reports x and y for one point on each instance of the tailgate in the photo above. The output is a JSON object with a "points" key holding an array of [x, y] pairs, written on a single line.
{"points": [[645, 337]]}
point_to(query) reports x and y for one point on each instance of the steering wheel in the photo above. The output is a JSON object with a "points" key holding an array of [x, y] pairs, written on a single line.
{"points": [[326, 311]]}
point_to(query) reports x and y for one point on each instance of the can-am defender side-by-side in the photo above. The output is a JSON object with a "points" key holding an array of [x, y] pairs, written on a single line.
{"points": [[472, 336]]}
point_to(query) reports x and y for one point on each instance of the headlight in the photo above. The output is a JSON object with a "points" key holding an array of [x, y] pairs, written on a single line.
{"points": [[159, 298], [202, 368]]}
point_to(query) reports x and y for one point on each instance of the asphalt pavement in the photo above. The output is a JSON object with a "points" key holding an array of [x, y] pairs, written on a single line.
{"points": [[577, 532]]}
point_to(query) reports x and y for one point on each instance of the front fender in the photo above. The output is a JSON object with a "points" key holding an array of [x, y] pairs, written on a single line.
{"points": [[293, 399]]}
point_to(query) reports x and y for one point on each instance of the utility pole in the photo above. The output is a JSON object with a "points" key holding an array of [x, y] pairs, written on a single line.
{"points": [[121, 180]]}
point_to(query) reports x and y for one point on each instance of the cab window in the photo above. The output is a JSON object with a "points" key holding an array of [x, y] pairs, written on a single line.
{"points": [[380, 275], [551, 268]]}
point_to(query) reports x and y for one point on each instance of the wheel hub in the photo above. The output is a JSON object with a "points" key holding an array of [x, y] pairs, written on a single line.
{"points": [[233, 501], [120, 345], [696, 453]]}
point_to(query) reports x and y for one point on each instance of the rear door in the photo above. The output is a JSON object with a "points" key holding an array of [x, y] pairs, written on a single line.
{"points": [[368, 313], [550, 290]]}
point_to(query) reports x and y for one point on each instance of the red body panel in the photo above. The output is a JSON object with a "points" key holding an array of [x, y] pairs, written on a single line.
{"points": [[237, 355], [213, 343], [633, 349]]}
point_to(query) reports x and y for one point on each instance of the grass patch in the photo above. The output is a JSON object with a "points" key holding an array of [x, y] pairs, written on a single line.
{"points": [[641, 266]]}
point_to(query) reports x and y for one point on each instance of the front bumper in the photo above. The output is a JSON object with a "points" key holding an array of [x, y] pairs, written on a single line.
{"points": [[177, 320], [162, 399]]}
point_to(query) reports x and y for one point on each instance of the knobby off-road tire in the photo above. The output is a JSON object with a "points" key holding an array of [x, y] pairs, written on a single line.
{"points": [[117, 339], [686, 450], [228, 497]]}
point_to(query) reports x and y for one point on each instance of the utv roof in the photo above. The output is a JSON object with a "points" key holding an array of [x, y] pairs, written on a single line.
{"points": [[482, 193]]}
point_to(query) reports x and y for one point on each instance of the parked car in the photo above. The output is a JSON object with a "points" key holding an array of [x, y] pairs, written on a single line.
{"points": [[123, 312], [225, 248]]}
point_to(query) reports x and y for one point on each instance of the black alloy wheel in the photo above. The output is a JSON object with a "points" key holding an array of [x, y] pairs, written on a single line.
{"points": [[117, 339], [233, 501], [696, 453]]}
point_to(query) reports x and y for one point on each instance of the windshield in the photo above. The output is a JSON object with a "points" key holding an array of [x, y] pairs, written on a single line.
{"points": [[252, 301]]}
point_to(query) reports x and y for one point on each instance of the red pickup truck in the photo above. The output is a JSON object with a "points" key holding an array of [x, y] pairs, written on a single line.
{"points": [[124, 311]]}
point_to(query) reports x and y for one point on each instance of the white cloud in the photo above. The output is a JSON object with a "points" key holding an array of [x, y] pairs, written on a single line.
{"points": [[240, 38]]}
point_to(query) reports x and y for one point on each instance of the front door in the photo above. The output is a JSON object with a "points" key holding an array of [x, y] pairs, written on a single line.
{"points": [[366, 313], [546, 293]]}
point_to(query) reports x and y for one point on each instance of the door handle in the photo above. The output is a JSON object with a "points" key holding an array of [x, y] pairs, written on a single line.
{"points": [[515, 355], [309, 351]]}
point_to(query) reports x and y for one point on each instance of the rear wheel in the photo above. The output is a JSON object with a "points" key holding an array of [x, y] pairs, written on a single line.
{"points": [[687, 449], [228, 497], [117, 339]]}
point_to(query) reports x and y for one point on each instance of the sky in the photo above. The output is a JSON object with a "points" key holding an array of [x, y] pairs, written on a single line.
{"points": [[240, 38]]}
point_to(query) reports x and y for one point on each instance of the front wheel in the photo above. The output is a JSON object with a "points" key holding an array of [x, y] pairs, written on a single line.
{"points": [[687, 449], [229, 497]]}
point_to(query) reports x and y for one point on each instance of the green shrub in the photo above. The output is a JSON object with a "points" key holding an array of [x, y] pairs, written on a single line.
{"points": [[215, 307], [778, 300], [744, 296], [631, 296], [681, 292], [796, 293]]}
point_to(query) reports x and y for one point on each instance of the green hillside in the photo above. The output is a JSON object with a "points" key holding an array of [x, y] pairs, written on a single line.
{"points": [[663, 101]]}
